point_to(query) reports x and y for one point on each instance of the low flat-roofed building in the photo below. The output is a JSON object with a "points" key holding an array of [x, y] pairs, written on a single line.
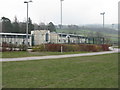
{"points": [[38, 37], [45, 36], [71, 38], [15, 38]]}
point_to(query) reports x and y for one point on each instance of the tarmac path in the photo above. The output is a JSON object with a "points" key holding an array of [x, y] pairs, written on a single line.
{"points": [[57, 56]]}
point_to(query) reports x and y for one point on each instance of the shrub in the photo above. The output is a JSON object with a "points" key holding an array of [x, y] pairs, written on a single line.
{"points": [[39, 48], [11, 46], [4, 44], [71, 47], [22, 47], [105, 47], [90, 47], [4, 47], [98, 48], [53, 47], [7, 47], [82, 47]]}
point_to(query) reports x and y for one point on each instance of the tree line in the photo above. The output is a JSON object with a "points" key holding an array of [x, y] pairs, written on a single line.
{"points": [[20, 27]]}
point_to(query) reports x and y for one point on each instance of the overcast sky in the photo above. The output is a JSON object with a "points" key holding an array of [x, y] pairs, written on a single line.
{"points": [[74, 11]]}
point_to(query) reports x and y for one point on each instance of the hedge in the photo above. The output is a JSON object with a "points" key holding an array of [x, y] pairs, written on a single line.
{"points": [[12, 47], [71, 47]]}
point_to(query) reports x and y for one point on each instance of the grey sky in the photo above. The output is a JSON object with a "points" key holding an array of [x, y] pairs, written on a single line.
{"points": [[74, 11]]}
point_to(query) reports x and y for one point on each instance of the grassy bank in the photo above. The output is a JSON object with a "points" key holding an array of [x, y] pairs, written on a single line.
{"points": [[79, 72]]}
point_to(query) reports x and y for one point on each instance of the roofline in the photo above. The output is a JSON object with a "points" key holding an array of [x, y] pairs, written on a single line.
{"points": [[40, 30], [14, 34], [70, 34]]}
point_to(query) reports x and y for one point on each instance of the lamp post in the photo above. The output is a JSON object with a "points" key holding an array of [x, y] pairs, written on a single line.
{"points": [[61, 25], [27, 2], [61, 12], [103, 18]]}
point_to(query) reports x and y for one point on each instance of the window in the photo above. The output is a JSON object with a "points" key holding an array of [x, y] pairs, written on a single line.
{"points": [[47, 37], [28, 43]]}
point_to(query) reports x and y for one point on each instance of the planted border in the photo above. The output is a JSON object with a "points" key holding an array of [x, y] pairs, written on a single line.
{"points": [[71, 47]]}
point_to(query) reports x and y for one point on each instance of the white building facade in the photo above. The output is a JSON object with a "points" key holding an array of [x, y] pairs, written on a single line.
{"points": [[45, 36], [15, 38], [38, 37]]}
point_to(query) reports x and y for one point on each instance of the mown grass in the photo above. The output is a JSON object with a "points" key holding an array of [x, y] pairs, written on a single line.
{"points": [[14, 54], [79, 72]]}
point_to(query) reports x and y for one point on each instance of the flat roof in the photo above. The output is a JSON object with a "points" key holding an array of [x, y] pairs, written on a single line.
{"points": [[71, 34], [14, 34]]}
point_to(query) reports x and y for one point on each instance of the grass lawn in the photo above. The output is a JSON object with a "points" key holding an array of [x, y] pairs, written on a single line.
{"points": [[79, 72], [30, 54]]}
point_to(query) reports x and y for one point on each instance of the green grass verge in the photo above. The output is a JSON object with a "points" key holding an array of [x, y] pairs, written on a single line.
{"points": [[79, 72], [30, 54]]}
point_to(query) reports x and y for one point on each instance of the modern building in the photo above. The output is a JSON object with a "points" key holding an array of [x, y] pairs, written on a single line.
{"points": [[38, 37], [14, 38], [45, 36]]}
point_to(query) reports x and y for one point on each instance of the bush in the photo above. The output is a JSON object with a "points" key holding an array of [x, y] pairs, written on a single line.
{"points": [[93, 48], [82, 47], [4, 44], [8, 47], [11, 46], [90, 47], [105, 47], [53, 47], [39, 48], [71, 47], [22, 47]]}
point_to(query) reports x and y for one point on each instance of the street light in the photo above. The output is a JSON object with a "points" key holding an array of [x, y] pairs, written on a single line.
{"points": [[27, 2], [61, 13], [103, 18], [61, 25]]}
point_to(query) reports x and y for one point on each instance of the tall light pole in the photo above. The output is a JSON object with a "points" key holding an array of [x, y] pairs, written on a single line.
{"points": [[27, 2], [61, 25], [103, 18], [61, 12]]}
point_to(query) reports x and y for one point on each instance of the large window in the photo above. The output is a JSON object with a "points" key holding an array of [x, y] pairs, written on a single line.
{"points": [[47, 37]]}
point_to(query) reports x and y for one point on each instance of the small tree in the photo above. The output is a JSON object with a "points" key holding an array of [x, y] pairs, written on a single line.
{"points": [[16, 28], [30, 26], [6, 25], [51, 27], [42, 26]]}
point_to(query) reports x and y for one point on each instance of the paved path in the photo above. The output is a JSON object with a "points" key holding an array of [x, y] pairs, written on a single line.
{"points": [[57, 56]]}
